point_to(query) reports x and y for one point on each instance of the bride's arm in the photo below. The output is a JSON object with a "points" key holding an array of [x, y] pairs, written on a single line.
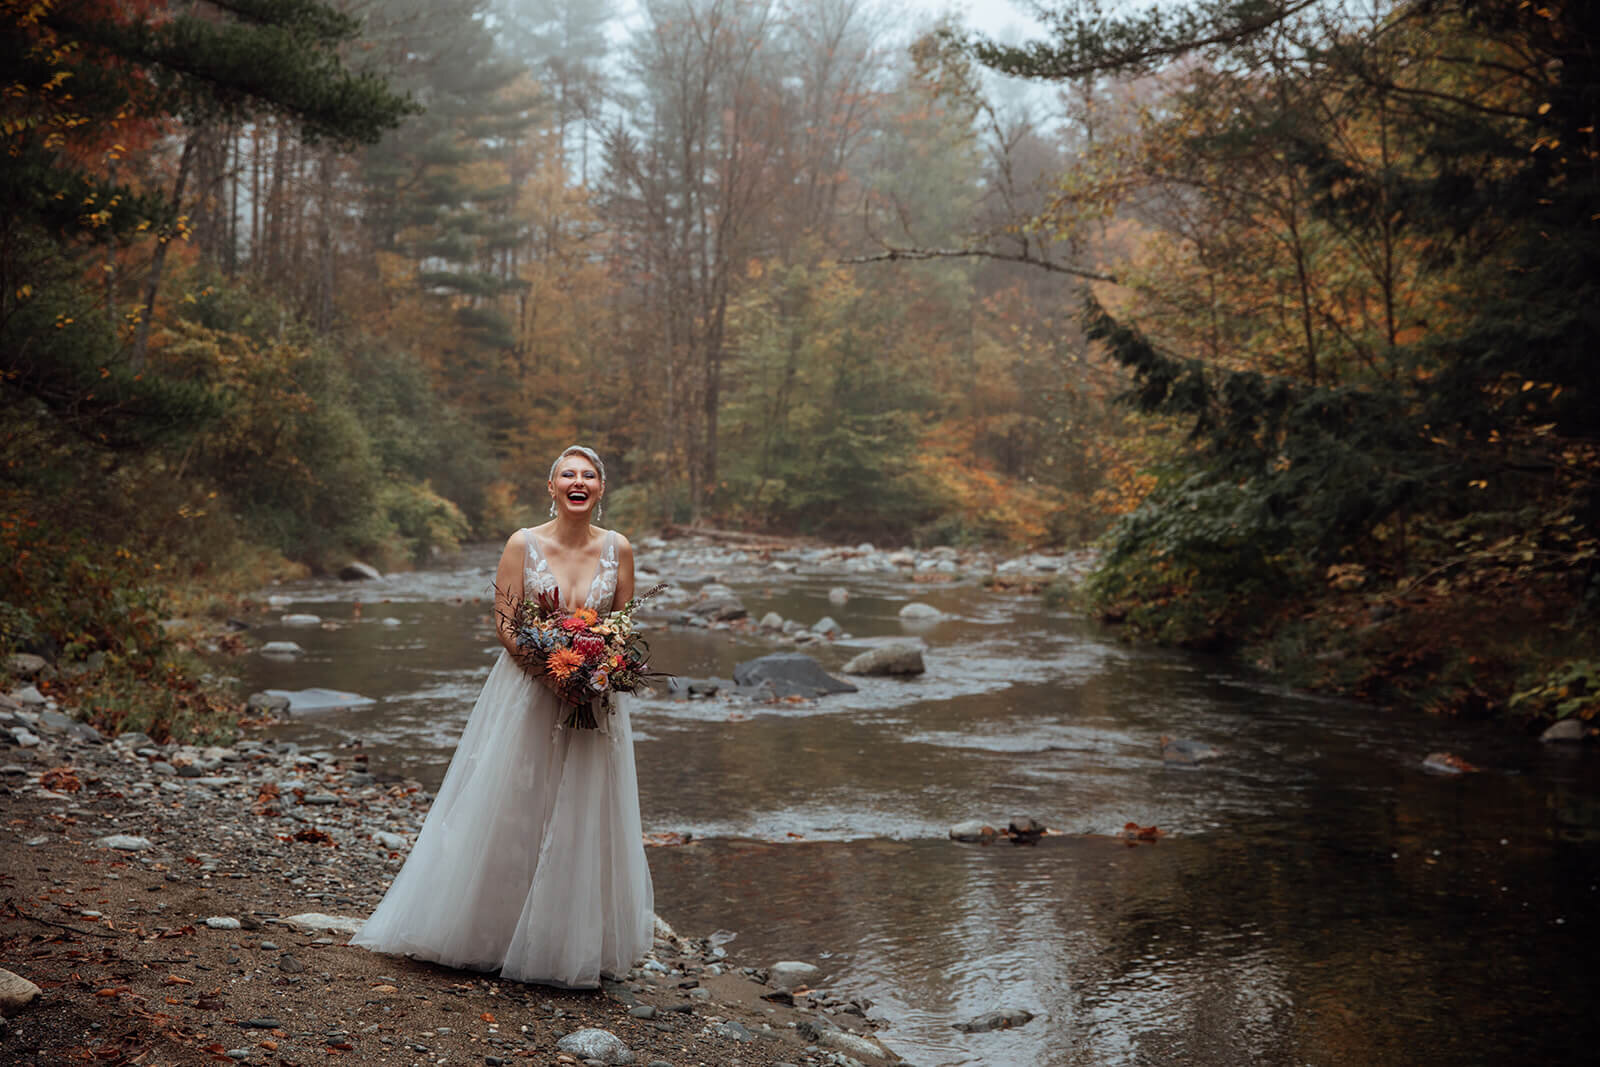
{"points": [[508, 589], [624, 591]]}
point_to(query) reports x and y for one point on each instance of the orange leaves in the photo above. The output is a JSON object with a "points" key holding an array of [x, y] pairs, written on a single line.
{"points": [[60, 780]]}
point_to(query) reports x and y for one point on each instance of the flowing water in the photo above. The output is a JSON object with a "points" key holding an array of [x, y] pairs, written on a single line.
{"points": [[1316, 897]]}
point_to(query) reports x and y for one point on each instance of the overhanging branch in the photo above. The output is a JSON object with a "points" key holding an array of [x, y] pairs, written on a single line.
{"points": [[891, 255]]}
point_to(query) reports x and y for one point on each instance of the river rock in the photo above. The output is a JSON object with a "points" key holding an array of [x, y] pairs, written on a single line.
{"points": [[852, 1045], [24, 737], [1565, 730], [718, 603], [1447, 763], [827, 627], [838, 596], [28, 696], [973, 830], [16, 992], [593, 1044], [901, 657], [317, 922], [223, 922], [735, 1031], [54, 722], [285, 649], [25, 665], [916, 611], [124, 842], [386, 840], [792, 974], [302, 701], [771, 621], [267, 704], [1025, 828], [1004, 1019], [789, 674], [301, 619], [356, 571]]}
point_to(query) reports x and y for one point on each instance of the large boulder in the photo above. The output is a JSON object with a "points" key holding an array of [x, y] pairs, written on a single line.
{"points": [[789, 674], [901, 657]]}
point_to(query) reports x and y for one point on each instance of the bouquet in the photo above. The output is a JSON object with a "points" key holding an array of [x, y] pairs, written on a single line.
{"points": [[587, 655]]}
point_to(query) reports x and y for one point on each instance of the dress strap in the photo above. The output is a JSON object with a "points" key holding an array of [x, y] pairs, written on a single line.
{"points": [[609, 551]]}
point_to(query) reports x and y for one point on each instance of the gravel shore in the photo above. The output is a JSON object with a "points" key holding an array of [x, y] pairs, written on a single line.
{"points": [[194, 905]]}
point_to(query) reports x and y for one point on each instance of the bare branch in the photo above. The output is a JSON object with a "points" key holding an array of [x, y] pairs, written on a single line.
{"points": [[891, 254]]}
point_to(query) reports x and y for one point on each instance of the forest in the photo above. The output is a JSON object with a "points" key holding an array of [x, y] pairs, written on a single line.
{"points": [[1287, 306]]}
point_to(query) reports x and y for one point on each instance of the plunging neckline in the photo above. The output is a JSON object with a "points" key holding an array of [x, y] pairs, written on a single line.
{"points": [[594, 576]]}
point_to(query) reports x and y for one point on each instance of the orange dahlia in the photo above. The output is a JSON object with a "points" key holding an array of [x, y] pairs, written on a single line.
{"points": [[562, 662]]}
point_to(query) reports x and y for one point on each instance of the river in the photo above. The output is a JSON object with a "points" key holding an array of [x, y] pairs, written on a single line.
{"points": [[1315, 896]]}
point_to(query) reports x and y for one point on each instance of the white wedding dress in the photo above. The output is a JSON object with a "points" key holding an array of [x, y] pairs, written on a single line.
{"points": [[531, 861]]}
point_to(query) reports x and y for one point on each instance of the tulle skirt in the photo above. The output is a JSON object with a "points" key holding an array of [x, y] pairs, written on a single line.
{"points": [[531, 861]]}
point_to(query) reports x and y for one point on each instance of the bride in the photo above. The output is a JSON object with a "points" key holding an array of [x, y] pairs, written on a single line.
{"points": [[531, 861]]}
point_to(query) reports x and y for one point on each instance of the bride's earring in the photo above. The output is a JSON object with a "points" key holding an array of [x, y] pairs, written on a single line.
{"points": [[552, 507], [600, 509]]}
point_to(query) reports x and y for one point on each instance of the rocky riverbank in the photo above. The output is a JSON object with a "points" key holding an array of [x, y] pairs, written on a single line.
{"points": [[177, 904]]}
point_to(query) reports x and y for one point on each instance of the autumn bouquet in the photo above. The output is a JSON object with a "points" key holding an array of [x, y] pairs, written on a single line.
{"points": [[588, 656]]}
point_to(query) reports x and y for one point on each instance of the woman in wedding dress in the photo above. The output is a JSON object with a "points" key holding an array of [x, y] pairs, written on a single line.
{"points": [[531, 861]]}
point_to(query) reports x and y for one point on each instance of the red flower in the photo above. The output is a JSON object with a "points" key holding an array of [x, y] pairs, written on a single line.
{"points": [[589, 647]]}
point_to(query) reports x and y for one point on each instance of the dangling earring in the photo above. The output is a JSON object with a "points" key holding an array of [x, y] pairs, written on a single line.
{"points": [[552, 507], [600, 509]]}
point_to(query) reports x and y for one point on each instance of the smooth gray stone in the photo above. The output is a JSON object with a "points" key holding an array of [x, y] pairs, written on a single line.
{"points": [[827, 626], [25, 665], [301, 619], [790, 674], [791, 974], [899, 658], [302, 701], [124, 842], [1565, 730], [28, 695], [592, 1044], [772, 621], [356, 571], [281, 648], [916, 611]]}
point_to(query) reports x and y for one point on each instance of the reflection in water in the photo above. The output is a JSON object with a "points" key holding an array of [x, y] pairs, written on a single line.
{"points": [[1316, 899]]}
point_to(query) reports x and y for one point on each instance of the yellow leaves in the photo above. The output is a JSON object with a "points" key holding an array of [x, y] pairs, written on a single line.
{"points": [[1544, 108], [1478, 483], [24, 291]]}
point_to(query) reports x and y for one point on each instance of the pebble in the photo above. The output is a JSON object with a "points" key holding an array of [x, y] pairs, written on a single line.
{"points": [[124, 842], [222, 922]]}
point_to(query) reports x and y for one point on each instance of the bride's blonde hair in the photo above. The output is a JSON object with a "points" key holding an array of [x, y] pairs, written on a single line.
{"points": [[579, 450]]}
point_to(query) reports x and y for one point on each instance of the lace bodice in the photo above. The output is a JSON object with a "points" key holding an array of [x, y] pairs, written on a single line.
{"points": [[538, 578]]}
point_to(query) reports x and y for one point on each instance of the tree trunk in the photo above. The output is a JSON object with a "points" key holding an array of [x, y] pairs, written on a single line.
{"points": [[152, 282]]}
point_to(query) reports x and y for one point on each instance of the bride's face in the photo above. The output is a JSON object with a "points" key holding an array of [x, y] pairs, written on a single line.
{"points": [[576, 488]]}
